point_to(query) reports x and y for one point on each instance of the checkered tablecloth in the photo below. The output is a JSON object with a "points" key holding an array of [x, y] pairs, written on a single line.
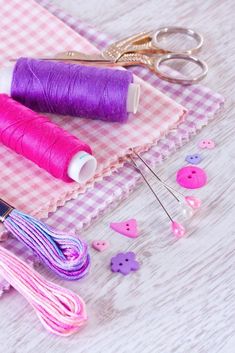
{"points": [[202, 104]]}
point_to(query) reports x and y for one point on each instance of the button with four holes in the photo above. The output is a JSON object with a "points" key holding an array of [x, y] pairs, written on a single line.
{"points": [[191, 177], [207, 143]]}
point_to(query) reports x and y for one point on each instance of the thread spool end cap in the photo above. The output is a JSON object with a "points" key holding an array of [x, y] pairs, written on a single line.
{"points": [[6, 74], [133, 98], [82, 167]]}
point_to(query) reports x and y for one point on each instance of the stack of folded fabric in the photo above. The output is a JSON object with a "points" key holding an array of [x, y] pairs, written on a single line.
{"points": [[164, 106]]}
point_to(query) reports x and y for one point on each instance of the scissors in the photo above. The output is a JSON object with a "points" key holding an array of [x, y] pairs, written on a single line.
{"points": [[144, 49]]}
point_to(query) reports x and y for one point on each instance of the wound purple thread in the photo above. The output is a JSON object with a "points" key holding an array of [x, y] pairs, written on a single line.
{"points": [[70, 89]]}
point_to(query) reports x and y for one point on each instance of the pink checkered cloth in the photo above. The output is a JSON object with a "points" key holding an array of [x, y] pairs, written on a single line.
{"points": [[202, 104], [27, 29]]}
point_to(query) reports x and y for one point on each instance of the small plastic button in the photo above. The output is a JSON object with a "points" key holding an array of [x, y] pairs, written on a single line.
{"points": [[207, 143], [191, 177], [124, 263], [100, 245], [193, 158], [127, 228]]}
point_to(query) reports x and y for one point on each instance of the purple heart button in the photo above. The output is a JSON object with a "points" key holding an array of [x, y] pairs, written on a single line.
{"points": [[193, 158]]}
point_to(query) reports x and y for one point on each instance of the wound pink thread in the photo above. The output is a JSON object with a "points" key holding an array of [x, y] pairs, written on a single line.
{"points": [[36, 138]]}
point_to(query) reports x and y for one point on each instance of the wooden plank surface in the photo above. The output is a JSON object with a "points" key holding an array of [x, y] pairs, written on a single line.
{"points": [[183, 298]]}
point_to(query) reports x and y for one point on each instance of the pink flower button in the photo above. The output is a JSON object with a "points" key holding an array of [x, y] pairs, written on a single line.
{"points": [[191, 177], [207, 143]]}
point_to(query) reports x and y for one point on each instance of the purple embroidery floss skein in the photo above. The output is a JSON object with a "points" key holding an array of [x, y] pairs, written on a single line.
{"points": [[70, 89], [64, 254]]}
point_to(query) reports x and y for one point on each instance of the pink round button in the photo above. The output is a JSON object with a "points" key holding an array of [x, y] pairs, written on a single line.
{"points": [[207, 143], [191, 177]]}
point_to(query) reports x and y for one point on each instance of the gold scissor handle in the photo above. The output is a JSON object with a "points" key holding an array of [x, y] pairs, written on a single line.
{"points": [[174, 77], [188, 32], [154, 64]]}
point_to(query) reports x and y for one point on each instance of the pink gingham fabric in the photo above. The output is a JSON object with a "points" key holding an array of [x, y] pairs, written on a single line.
{"points": [[27, 29], [202, 104]]}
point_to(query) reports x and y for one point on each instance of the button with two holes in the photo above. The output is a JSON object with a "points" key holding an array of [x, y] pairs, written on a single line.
{"points": [[193, 158], [207, 143], [100, 245], [127, 228], [191, 177], [124, 263]]}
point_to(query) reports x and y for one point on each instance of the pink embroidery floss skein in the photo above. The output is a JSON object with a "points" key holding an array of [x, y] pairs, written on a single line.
{"points": [[71, 89], [60, 311], [46, 144]]}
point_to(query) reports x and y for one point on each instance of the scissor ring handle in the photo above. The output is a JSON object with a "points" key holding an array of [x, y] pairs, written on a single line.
{"points": [[179, 56], [187, 31]]}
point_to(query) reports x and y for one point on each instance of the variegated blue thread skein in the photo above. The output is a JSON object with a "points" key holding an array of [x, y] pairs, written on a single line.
{"points": [[64, 254]]}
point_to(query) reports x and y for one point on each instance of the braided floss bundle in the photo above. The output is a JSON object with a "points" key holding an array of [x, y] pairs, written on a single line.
{"points": [[60, 310], [71, 89], [65, 255], [44, 143]]}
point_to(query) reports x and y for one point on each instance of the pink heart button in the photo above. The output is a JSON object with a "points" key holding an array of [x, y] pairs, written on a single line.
{"points": [[100, 245], [207, 143]]}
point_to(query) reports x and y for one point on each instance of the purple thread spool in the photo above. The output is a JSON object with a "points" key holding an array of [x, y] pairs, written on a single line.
{"points": [[70, 89]]}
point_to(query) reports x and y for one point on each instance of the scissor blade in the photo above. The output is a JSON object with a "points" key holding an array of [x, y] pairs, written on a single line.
{"points": [[78, 56], [74, 56]]}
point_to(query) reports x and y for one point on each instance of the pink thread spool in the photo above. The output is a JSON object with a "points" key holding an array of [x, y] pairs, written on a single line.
{"points": [[36, 138]]}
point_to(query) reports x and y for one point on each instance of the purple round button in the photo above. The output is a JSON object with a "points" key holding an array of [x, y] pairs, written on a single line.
{"points": [[191, 177]]}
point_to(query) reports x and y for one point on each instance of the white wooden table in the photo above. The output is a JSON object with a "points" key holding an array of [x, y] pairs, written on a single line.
{"points": [[183, 298]]}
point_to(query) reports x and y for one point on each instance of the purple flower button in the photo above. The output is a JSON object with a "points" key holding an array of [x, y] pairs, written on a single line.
{"points": [[193, 158], [124, 263]]}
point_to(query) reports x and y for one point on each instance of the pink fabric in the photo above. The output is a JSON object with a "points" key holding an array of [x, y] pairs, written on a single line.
{"points": [[26, 29], [202, 103]]}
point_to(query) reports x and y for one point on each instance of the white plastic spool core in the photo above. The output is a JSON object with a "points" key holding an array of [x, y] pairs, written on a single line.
{"points": [[6, 75], [133, 97], [82, 167]]}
